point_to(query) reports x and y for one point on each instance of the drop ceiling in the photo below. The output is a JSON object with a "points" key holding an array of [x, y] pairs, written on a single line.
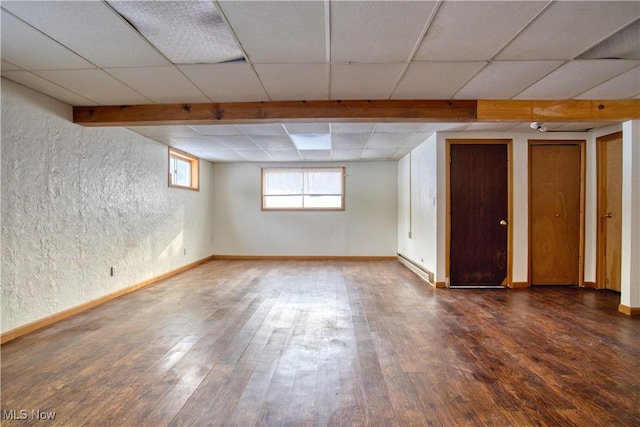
{"points": [[88, 53]]}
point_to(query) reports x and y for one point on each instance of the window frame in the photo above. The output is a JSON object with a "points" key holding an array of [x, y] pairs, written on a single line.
{"points": [[194, 165], [302, 169]]}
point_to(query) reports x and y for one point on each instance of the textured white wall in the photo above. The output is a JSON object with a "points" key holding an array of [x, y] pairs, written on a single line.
{"points": [[368, 226], [417, 205], [630, 277], [76, 201]]}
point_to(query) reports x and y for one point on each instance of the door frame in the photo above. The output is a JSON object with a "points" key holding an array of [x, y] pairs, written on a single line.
{"points": [[582, 144], [601, 159], [509, 144]]}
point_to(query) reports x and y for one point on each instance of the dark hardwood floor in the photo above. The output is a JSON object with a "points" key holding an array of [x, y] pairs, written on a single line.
{"points": [[329, 343]]}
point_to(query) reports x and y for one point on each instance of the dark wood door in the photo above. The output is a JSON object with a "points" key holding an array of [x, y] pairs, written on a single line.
{"points": [[479, 195], [554, 213]]}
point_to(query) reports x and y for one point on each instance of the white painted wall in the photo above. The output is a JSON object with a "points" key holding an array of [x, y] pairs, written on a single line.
{"points": [[367, 227], [417, 205], [76, 201], [630, 277]]}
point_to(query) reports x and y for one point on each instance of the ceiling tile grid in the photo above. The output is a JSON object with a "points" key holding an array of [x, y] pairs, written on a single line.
{"points": [[86, 53]]}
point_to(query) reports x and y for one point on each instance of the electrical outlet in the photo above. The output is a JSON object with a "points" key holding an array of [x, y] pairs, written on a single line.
{"points": [[113, 271]]}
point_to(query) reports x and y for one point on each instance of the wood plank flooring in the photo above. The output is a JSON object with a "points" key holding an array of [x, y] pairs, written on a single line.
{"points": [[329, 343]]}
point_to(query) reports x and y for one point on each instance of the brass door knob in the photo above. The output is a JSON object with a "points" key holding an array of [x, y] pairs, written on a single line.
{"points": [[503, 223], [608, 215]]}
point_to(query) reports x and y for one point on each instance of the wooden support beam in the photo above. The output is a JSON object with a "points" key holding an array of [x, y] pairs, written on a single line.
{"points": [[278, 111], [558, 111], [434, 111]]}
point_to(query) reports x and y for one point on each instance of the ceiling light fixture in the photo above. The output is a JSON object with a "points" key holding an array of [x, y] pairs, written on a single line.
{"points": [[540, 127], [312, 141]]}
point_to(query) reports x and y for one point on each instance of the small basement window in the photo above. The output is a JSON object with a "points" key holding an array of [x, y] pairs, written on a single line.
{"points": [[184, 170], [303, 189]]}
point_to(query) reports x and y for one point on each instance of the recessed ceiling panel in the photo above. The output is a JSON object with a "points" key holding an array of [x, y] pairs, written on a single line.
{"points": [[200, 143], [286, 156], [575, 78], [391, 140], [255, 156], [228, 82], [222, 156], [283, 32], [293, 82], [397, 127], [186, 32], [91, 29], [345, 128], [30, 49], [263, 129], [377, 31], [568, 28], [470, 31], [316, 155], [435, 80], [364, 81], [159, 84], [623, 86], [95, 85], [625, 44], [504, 79], [53, 90]]}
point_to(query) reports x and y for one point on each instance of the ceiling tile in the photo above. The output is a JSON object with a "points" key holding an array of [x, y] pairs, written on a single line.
{"points": [[271, 142], [394, 140], [576, 77], [489, 127], [616, 88], [34, 82], [255, 156], [344, 128], [441, 127], [292, 82], [504, 79], [568, 28], [580, 126], [316, 155], [228, 82], [30, 49], [377, 31], [350, 141], [401, 152], [200, 143], [286, 156], [351, 155], [378, 154], [236, 142], [159, 84], [91, 29], [435, 80], [8, 66], [95, 85], [175, 131], [222, 156], [471, 31], [397, 127], [263, 129], [364, 81], [279, 32], [296, 128], [218, 129]]}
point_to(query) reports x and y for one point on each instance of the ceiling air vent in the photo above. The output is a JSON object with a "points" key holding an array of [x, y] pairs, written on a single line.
{"points": [[625, 44]]}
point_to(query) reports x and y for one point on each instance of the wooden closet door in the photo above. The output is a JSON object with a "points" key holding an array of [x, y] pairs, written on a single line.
{"points": [[554, 213]]}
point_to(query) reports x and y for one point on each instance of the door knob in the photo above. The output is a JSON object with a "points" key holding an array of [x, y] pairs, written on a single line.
{"points": [[503, 223], [608, 215]]}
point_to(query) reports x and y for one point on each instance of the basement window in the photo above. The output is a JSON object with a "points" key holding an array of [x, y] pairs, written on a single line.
{"points": [[184, 170], [309, 189]]}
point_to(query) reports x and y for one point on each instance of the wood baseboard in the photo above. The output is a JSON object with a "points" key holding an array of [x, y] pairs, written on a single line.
{"points": [[590, 285], [56, 317], [305, 257], [441, 285], [630, 311], [519, 285]]}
